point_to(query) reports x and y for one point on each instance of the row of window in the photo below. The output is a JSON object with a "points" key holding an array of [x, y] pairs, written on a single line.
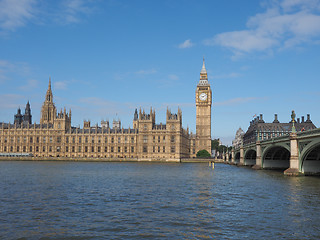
{"points": [[72, 149], [72, 139]]}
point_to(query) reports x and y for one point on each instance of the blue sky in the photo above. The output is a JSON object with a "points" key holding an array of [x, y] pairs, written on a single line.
{"points": [[106, 58]]}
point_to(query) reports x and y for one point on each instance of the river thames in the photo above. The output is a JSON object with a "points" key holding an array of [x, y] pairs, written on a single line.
{"points": [[77, 200]]}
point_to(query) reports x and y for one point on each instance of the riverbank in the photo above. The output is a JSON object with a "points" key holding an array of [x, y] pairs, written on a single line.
{"points": [[77, 159]]}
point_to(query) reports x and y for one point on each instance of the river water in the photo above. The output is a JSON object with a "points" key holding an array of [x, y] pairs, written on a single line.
{"points": [[77, 200]]}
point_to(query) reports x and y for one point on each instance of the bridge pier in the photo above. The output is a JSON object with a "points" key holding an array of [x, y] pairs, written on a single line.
{"points": [[241, 156], [258, 164], [232, 155], [293, 170]]}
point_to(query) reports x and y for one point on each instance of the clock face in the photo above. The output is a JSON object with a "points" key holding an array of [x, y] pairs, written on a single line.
{"points": [[203, 97]]}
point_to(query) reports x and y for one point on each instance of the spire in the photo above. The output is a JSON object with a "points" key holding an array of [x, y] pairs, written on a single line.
{"points": [[49, 87], [203, 75], [49, 92], [203, 70]]}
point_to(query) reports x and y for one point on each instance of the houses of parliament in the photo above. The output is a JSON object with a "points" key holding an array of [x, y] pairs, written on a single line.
{"points": [[55, 137]]}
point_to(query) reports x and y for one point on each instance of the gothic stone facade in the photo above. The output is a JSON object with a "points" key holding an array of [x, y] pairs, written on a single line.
{"points": [[56, 137]]}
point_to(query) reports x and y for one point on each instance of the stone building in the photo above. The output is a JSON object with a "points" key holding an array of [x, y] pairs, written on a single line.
{"points": [[260, 130], [238, 140], [56, 137]]}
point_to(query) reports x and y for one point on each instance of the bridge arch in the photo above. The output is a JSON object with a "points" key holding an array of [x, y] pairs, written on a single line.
{"points": [[237, 157], [310, 158], [250, 157], [276, 157]]}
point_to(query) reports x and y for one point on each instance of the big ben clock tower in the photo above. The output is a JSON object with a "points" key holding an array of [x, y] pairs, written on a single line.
{"points": [[203, 112]]}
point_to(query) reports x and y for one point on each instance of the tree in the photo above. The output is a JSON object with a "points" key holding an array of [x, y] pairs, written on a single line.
{"points": [[203, 154]]}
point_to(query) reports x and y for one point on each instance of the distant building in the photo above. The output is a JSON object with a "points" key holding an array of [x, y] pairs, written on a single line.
{"points": [[56, 137], [238, 140], [23, 119], [260, 130]]}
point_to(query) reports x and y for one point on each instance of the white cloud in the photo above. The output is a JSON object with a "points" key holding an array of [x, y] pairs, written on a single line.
{"points": [[10, 100], [7, 68], [72, 11], [284, 24], [235, 101], [31, 84], [62, 85], [173, 77], [146, 72], [186, 44], [16, 13], [228, 75]]}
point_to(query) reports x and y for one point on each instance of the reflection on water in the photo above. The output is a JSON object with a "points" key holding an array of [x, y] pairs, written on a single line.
{"points": [[154, 201]]}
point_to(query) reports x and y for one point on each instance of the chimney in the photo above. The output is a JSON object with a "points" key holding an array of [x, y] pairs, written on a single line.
{"points": [[275, 118], [261, 117], [298, 120], [308, 118], [302, 119]]}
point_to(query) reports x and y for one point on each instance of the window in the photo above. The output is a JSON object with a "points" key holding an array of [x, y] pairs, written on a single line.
{"points": [[79, 139], [164, 149], [132, 149], [106, 140], [67, 139], [43, 149], [86, 148], [18, 149], [30, 148], [119, 149], [173, 149], [164, 139], [24, 139], [145, 149], [5, 139], [105, 149], [99, 139], [50, 139], [24, 148], [119, 140], [99, 149], [145, 127], [59, 139], [92, 149], [111, 149], [11, 149], [154, 149], [5, 148], [112, 140], [50, 149], [86, 140], [58, 149], [37, 139], [73, 148], [125, 149], [92, 139], [158, 148], [67, 149], [172, 139], [44, 139], [126, 139], [37, 148], [154, 139], [158, 139], [18, 139], [145, 139], [73, 139], [132, 140], [79, 150], [31, 140]]}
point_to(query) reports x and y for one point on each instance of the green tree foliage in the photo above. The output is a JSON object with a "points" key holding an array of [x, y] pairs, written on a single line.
{"points": [[203, 154], [221, 148]]}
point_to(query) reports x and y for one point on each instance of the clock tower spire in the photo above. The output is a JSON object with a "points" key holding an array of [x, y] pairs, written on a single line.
{"points": [[203, 112]]}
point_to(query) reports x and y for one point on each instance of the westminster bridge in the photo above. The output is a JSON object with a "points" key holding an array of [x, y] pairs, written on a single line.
{"points": [[297, 153]]}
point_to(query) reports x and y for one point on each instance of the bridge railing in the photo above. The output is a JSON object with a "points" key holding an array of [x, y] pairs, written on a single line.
{"points": [[309, 132]]}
